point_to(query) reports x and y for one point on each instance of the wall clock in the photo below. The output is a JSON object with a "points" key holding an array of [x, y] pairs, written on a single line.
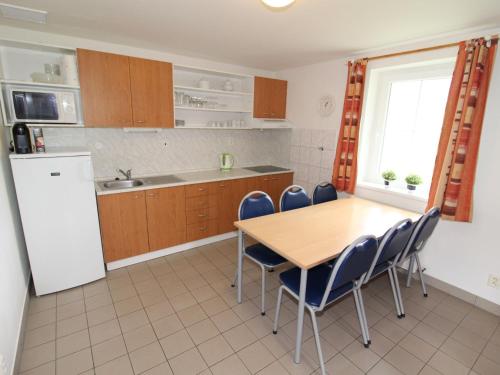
{"points": [[326, 105]]}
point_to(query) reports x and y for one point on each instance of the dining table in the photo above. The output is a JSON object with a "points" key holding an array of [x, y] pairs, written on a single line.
{"points": [[315, 234]]}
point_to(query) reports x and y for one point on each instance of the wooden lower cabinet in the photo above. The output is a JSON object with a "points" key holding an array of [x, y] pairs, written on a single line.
{"points": [[137, 222], [166, 213], [124, 229]]}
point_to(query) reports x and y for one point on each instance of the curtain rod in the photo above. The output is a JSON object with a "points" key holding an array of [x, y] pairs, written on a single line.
{"points": [[441, 46]]}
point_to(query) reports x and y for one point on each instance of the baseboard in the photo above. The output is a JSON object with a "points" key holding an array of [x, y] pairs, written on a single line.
{"points": [[20, 334], [459, 293], [169, 250]]}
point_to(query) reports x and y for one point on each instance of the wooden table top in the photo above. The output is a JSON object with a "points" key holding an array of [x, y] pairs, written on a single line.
{"points": [[312, 235]]}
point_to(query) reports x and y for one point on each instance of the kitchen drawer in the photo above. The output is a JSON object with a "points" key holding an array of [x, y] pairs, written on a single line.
{"points": [[202, 214], [197, 190], [201, 230], [204, 201]]}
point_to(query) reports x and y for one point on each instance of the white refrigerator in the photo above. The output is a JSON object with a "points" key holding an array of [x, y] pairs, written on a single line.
{"points": [[57, 202]]}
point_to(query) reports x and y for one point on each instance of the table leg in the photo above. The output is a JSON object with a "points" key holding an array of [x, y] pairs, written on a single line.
{"points": [[240, 264], [300, 314]]}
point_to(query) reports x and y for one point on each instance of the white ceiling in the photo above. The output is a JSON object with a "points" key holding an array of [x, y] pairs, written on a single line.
{"points": [[245, 32]]}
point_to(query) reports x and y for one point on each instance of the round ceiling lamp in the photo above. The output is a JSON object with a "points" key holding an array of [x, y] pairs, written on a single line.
{"points": [[278, 3]]}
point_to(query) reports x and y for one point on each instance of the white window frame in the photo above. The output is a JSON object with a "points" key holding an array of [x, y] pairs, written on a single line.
{"points": [[380, 74]]}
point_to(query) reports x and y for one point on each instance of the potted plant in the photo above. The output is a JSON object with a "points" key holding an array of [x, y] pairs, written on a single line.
{"points": [[388, 176], [412, 180]]}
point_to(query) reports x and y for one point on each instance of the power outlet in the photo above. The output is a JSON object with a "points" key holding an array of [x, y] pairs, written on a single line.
{"points": [[494, 281]]}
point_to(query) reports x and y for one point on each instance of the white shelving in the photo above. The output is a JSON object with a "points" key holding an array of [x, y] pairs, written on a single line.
{"points": [[41, 84], [233, 110], [212, 91]]}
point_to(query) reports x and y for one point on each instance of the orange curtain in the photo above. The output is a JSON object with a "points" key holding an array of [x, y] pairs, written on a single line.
{"points": [[345, 165], [455, 168]]}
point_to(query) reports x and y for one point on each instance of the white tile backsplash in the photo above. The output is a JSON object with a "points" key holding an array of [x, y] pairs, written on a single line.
{"points": [[173, 150]]}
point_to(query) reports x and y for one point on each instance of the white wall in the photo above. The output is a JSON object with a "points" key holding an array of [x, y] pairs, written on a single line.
{"points": [[460, 254], [14, 268]]}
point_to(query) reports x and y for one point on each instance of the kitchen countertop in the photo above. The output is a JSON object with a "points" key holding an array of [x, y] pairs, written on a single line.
{"points": [[195, 177]]}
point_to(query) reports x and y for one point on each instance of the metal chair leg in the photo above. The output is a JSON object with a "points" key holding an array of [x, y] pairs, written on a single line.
{"points": [[318, 342], [365, 320], [394, 292], [398, 291], [263, 292], [278, 308], [410, 271], [421, 273], [235, 278], [360, 318]]}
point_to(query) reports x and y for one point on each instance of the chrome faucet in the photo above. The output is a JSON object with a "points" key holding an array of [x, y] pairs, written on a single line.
{"points": [[127, 174]]}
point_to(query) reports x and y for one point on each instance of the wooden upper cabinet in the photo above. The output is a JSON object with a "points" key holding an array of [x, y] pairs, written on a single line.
{"points": [[152, 98], [105, 89], [269, 98], [124, 228], [166, 213]]}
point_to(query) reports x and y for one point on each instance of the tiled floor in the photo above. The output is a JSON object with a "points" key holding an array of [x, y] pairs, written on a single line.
{"points": [[179, 315]]}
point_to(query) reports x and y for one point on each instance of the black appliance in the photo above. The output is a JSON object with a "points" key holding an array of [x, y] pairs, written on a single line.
{"points": [[22, 139]]}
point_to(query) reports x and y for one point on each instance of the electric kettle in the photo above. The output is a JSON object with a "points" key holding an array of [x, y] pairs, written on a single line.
{"points": [[226, 161]]}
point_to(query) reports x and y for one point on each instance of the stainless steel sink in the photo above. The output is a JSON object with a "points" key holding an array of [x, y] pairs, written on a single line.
{"points": [[122, 184], [266, 169]]}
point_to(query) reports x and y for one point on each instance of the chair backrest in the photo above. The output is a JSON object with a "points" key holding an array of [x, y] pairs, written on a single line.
{"points": [[423, 230], [352, 264], [254, 204], [294, 197], [392, 244], [324, 192]]}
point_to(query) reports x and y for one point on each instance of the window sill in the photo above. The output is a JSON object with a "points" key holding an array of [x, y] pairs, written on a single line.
{"points": [[392, 196]]}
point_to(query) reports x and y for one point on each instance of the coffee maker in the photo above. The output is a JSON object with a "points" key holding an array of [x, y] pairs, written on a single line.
{"points": [[22, 139]]}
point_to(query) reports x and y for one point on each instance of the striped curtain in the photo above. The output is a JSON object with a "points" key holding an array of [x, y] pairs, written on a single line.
{"points": [[455, 168], [345, 165]]}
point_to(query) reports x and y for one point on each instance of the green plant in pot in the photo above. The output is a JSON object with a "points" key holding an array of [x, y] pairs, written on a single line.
{"points": [[412, 180], [388, 176]]}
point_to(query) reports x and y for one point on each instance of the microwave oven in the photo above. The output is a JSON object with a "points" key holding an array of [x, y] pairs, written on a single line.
{"points": [[39, 104]]}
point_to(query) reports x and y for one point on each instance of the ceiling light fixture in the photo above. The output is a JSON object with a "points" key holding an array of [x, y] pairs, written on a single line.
{"points": [[23, 14], [278, 3]]}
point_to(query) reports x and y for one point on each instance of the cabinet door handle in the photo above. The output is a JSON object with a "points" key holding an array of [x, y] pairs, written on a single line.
{"points": [[140, 121], [152, 195], [266, 179], [275, 178], [202, 215], [222, 185], [201, 189], [137, 196], [203, 229]]}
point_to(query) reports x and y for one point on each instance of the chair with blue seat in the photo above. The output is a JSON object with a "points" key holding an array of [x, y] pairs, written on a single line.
{"points": [[424, 228], [390, 249], [255, 204], [294, 197], [328, 282], [324, 192]]}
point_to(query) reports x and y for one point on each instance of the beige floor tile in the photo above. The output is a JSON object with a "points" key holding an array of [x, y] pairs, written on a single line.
{"points": [[38, 304], [75, 363], [341, 365], [40, 335], [147, 357], [104, 331], [469, 338], [139, 337], [214, 306], [256, 357], [128, 306], [163, 369], [108, 350], [122, 293], [176, 343], [99, 300], [428, 370], [204, 293], [362, 357], [70, 295], [37, 356], [485, 366], [230, 366], [188, 363], [246, 310], [260, 326], [166, 326], [390, 330], [192, 315], [309, 349], [418, 347], [440, 323], [40, 319], [429, 334], [492, 352], [152, 297], [70, 310], [72, 343], [101, 315], [97, 287], [336, 336], [118, 366], [48, 368], [202, 331], [159, 310], [133, 321], [384, 368], [447, 365], [182, 301], [239, 337], [226, 320], [459, 352], [405, 362], [215, 350], [71, 325], [274, 368], [380, 345]]}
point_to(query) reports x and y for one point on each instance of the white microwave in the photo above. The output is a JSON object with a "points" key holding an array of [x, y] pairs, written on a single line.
{"points": [[39, 104]]}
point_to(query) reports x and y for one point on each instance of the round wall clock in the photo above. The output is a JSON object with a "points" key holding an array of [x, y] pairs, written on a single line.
{"points": [[326, 105]]}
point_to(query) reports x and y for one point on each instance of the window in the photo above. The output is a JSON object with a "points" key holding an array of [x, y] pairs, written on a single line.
{"points": [[402, 121]]}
